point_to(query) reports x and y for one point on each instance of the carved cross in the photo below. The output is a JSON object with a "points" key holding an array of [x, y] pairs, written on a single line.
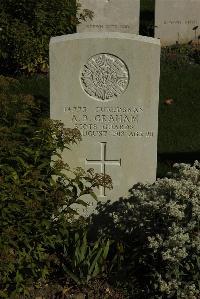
{"points": [[103, 162]]}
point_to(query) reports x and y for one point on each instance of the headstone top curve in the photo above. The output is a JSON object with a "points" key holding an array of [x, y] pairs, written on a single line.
{"points": [[98, 35]]}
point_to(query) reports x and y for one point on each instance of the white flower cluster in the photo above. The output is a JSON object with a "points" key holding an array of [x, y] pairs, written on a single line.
{"points": [[165, 217]]}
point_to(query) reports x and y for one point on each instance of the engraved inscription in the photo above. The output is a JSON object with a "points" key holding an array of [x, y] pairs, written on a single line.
{"points": [[179, 22], [103, 162], [104, 77], [109, 26], [109, 121]]}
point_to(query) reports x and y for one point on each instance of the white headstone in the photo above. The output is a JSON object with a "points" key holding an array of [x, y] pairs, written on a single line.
{"points": [[107, 85], [176, 20], [111, 16]]}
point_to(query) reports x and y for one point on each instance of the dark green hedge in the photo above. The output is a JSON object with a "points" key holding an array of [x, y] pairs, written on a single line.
{"points": [[26, 28]]}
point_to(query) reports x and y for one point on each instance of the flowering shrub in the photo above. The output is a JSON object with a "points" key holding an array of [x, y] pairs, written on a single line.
{"points": [[157, 229], [38, 226]]}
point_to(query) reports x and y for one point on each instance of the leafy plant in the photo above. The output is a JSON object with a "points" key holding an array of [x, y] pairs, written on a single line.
{"points": [[36, 193], [86, 260], [179, 55], [158, 226]]}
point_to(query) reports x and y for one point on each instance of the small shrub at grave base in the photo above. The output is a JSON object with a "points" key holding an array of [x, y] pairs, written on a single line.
{"points": [[37, 222], [26, 28], [179, 55], [157, 229], [194, 54]]}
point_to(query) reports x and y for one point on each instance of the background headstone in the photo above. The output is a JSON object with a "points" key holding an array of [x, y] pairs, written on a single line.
{"points": [[175, 21], [111, 16], [107, 85]]}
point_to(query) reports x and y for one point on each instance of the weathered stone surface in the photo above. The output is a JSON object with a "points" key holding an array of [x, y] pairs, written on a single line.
{"points": [[175, 21], [107, 85], [112, 16]]}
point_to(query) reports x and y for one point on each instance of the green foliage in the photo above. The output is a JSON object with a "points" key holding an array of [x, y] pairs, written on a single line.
{"points": [[86, 260], [195, 53], [159, 229], [26, 28], [178, 55], [37, 194]]}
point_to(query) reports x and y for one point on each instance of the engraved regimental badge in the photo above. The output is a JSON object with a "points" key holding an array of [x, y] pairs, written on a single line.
{"points": [[104, 77]]}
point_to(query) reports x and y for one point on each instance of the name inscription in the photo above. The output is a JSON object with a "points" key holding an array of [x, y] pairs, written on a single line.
{"points": [[108, 121]]}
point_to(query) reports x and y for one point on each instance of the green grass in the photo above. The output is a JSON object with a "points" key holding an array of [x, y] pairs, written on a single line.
{"points": [[179, 123]]}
